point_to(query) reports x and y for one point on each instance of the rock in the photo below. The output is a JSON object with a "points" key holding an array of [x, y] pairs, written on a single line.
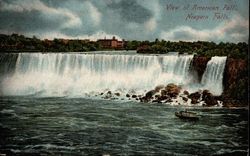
{"points": [[101, 93], [155, 100], [185, 99], [158, 88], [199, 65], [144, 99], [208, 98], [108, 95], [235, 77], [157, 96], [150, 94], [163, 92], [161, 98], [236, 81], [127, 95], [230, 103], [134, 96], [172, 90], [136, 99], [117, 94], [186, 92], [205, 93], [194, 97], [168, 100]]}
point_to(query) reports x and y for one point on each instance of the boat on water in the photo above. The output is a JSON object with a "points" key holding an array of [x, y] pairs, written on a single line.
{"points": [[187, 115]]}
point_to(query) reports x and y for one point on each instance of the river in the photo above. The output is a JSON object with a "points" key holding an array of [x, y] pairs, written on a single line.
{"points": [[52, 104]]}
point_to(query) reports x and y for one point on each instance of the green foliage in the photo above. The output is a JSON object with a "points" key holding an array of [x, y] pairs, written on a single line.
{"points": [[132, 45], [200, 48], [21, 43], [17, 42]]}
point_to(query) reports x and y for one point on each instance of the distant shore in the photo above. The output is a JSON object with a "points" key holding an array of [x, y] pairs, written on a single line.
{"points": [[18, 43]]}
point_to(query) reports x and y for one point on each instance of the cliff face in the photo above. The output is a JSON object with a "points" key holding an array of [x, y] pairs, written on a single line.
{"points": [[235, 79], [199, 65]]}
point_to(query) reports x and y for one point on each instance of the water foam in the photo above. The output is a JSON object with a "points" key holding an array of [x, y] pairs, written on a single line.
{"points": [[65, 74], [212, 78]]}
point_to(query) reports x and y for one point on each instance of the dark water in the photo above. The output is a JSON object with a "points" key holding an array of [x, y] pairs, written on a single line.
{"points": [[61, 126]]}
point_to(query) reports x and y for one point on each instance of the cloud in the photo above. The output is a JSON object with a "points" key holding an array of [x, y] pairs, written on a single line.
{"points": [[131, 10], [156, 10], [31, 5], [94, 13], [151, 24], [130, 19], [236, 30]]}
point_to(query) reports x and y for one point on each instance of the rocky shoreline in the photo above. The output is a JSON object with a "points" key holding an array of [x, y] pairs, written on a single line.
{"points": [[175, 95]]}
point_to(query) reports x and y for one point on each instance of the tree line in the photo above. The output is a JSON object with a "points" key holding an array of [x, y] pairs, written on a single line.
{"points": [[20, 43], [200, 48]]}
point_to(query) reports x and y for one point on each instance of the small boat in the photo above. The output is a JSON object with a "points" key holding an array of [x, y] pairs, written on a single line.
{"points": [[187, 115]]}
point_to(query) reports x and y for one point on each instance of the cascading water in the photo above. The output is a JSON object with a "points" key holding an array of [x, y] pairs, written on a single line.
{"points": [[76, 74], [213, 75], [58, 74]]}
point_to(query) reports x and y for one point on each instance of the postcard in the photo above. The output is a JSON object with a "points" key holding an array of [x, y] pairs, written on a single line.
{"points": [[124, 77]]}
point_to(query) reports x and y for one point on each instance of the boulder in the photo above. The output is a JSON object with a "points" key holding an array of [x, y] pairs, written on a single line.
{"points": [[208, 98], [185, 99], [157, 96], [134, 96], [117, 94], [172, 90], [144, 99], [108, 95], [127, 95], [150, 94], [163, 92], [169, 100], [186, 92], [161, 98], [194, 97]]}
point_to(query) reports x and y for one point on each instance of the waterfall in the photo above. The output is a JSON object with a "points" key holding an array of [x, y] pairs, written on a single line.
{"points": [[65, 74], [212, 78], [78, 74]]}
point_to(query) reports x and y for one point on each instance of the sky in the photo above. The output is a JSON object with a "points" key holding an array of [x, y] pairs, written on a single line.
{"points": [[193, 20]]}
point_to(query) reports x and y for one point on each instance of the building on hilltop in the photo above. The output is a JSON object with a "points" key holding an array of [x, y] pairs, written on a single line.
{"points": [[111, 43]]}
